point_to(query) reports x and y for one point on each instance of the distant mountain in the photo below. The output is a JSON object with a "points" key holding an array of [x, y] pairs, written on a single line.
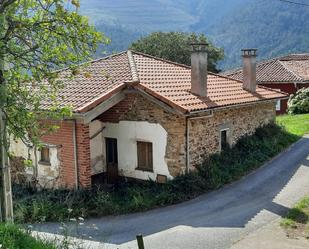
{"points": [[272, 26]]}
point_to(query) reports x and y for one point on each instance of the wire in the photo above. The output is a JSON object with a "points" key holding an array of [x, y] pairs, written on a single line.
{"points": [[296, 3]]}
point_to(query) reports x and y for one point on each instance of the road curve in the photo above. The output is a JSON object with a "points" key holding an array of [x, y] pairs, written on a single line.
{"points": [[215, 220]]}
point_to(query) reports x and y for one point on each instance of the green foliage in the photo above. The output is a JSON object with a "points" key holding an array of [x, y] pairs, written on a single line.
{"points": [[174, 46], [250, 152], [39, 37], [12, 237], [299, 102], [288, 223], [298, 217]]}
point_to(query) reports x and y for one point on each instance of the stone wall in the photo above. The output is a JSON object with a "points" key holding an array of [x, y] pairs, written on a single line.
{"points": [[205, 133]]}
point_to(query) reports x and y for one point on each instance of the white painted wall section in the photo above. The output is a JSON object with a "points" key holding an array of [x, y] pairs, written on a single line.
{"points": [[127, 134]]}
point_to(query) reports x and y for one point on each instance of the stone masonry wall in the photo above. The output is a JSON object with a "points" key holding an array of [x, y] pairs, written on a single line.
{"points": [[205, 133], [137, 108]]}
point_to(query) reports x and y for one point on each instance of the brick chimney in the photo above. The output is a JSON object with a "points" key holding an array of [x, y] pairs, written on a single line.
{"points": [[249, 69], [199, 69]]}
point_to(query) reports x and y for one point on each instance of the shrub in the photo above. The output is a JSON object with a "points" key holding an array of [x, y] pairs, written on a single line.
{"points": [[297, 219], [299, 103], [288, 223], [249, 153], [14, 238]]}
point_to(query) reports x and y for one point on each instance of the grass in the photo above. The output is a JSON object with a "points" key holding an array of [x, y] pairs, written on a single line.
{"points": [[295, 124], [12, 237], [31, 205], [297, 220]]}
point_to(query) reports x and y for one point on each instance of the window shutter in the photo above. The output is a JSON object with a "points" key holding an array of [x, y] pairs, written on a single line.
{"points": [[144, 155]]}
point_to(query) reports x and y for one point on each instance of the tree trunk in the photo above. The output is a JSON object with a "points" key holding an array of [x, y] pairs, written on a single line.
{"points": [[6, 203]]}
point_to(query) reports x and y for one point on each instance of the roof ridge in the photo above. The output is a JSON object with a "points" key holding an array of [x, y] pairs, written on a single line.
{"points": [[290, 71], [258, 64], [161, 59], [291, 57], [224, 76], [177, 64], [132, 65]]}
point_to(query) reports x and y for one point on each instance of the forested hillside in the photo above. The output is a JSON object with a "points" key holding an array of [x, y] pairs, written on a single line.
{"points": [[272, 26], [275, 28]]}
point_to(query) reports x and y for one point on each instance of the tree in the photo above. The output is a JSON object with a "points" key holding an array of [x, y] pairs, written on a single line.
{"points": [[37, 37], [174, 46]]}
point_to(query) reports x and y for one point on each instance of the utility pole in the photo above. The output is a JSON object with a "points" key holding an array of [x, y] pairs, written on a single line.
{"points": [[6, 203]]}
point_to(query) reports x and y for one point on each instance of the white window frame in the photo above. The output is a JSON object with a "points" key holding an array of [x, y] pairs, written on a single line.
{"points": [[278, 105]]}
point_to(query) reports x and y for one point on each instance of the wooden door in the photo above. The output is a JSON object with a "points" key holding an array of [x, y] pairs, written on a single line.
{"points": [[111, 160]]}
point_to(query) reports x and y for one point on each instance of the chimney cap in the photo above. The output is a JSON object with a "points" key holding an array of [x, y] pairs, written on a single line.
{"points": [[249, 52], [198, 46]]}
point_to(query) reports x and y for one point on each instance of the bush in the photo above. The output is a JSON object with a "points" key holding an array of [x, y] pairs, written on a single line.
{"points": [[249, 153], [299, 103], [13, 237], [297, 219]]}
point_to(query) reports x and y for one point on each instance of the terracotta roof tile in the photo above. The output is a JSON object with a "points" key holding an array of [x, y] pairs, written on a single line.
{"points": [[170, 82], [96, 80], [290, 68], [173, 82]]}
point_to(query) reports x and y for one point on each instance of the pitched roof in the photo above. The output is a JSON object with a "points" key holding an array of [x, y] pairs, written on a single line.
{"points": [[285, 69], [167, 81]]}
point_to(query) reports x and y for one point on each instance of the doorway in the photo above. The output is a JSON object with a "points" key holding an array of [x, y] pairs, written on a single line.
{"points": [[111, 160]]}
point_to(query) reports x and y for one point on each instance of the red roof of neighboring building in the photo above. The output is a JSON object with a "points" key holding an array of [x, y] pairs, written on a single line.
{"points": [[285, 69], [167, 81]]}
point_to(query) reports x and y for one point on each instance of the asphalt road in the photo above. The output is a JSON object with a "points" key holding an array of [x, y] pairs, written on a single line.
{"points": [[215, 220]]}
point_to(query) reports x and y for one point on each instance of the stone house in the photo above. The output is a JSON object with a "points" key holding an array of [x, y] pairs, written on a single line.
{"points": [[287, 73], [137, 116]]}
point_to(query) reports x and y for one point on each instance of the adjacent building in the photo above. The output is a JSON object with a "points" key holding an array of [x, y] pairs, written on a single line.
{"points": [[287, 73]]}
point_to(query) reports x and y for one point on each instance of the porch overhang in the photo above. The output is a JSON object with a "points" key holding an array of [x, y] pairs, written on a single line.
{"points": [[87, 117]]}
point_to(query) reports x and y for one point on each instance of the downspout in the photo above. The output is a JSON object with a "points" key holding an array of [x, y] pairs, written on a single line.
{"points": [[75, 155], [187, 145]]}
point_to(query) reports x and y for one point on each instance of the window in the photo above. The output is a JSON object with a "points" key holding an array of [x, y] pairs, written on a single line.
{"points": [[45, 155], [224, 139], [144, 156], [278, 105]]}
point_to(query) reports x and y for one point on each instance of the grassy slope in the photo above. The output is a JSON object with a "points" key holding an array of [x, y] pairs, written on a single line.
{"points": [[296, 222], [11, 237], [295, 124]]}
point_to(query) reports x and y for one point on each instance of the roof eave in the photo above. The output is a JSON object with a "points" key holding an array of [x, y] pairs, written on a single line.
{"points": [[197, 112]]}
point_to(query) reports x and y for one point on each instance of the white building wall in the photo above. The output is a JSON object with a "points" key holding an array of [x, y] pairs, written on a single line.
{"points": [[127, 134]]}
